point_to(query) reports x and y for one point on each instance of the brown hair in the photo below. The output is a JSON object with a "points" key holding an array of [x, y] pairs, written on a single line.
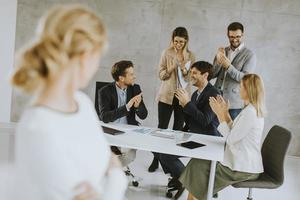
{"points": [[235, 26], [204, 67], [254, 87], [181, 32], [63, 33], [119, 68]]}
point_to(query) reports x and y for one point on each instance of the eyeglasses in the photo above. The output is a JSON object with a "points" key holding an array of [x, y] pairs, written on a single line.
{"points": [[234, 37], [179, 41]]}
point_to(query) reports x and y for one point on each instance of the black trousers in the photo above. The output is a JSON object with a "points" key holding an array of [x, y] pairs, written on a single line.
{"points": [[170, 163], [165, 112]]}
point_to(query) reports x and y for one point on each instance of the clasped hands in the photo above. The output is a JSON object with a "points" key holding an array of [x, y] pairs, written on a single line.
{"points": [[173, 64], [183, 96], [222, 59], [219, 106], [134, 101]]}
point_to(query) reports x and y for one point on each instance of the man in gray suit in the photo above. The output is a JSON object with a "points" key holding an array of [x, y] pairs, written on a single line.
{"points": [[231, 64]]}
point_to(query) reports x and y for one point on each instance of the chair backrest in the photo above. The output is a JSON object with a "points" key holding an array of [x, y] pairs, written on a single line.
{"points": [[273, 152], [99, 85]]}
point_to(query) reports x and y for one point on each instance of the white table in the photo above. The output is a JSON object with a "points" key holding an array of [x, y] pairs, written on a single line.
{"points": [[214, 149]]}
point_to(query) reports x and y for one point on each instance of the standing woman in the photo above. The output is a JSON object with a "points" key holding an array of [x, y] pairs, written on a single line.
{"points": [[174, 67], [242, 158], [61, 152]]}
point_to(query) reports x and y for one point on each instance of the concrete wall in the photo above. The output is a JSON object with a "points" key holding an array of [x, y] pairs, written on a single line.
{"points": [[140, 30], [8, 13]]}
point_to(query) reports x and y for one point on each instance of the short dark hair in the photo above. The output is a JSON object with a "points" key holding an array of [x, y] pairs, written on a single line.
{"points": [[203, 67], [235, 26], [119, 68]]}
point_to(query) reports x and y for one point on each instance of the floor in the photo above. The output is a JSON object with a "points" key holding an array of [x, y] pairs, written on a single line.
{"points": [[153, 185]]}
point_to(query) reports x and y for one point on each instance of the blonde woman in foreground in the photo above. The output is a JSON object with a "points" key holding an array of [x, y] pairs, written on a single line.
{"points": [[61, 152], [242, 158]]}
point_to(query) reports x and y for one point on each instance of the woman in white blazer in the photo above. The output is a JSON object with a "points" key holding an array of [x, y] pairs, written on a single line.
{"points": [[242, 158]]}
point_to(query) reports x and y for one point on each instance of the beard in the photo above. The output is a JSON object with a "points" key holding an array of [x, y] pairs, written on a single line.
{"points": [[194, 82], [130, 83], [235, 44]]}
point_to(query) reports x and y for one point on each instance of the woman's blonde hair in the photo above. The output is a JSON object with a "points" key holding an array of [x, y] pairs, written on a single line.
{"points": [[63, 33], [181, 32], [254, 87]]}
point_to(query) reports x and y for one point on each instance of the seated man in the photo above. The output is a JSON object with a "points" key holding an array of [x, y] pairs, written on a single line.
{"points": [[198, 115], [121, 101]]}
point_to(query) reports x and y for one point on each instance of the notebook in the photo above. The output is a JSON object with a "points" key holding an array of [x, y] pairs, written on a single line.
{"points": [[111, 131]]}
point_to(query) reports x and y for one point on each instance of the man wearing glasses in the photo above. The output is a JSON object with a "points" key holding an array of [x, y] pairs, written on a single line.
{"points": [[231, 64]]}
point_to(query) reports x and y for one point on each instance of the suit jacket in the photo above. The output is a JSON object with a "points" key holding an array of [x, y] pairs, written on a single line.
{"points": [[244, 62], [198, 115], [108, 105]]}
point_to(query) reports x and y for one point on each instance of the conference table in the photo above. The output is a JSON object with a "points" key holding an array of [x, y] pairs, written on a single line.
{"points": [[165, 141]]}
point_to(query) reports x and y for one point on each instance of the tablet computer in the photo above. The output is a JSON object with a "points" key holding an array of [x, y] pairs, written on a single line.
{"points": [[191, 144], [111, 131]]}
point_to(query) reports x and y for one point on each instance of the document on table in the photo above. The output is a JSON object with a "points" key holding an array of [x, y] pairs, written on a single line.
{"points": [[143, 130], [166, 133]]}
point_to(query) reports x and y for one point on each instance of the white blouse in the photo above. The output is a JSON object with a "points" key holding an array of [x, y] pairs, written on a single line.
{"points": [[56, 151], [243, 141]]}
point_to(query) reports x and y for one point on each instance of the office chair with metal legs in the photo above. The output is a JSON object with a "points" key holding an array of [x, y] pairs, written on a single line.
{"points": [[126, 157], [273, 153]]}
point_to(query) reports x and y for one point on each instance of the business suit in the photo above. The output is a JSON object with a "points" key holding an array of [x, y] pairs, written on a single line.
{"points": [[229, 80], [199, 116], [200, 119], [108, 105]]}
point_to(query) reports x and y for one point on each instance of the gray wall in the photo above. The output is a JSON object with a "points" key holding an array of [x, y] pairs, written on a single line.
{"points": [[140, 30]]}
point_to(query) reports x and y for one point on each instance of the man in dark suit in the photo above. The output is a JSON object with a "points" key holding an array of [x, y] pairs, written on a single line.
{"points": [[111, 109], [121, 101], [199, 116]]}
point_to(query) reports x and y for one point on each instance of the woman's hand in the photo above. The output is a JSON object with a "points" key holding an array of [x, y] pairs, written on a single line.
{"points": [[172, 65], [223, 104], [219, 106], [180, 59], [214, 105], [85, 191]]}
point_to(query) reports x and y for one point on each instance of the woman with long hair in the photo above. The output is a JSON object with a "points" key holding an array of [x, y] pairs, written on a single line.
{"points": [[61, 152], [174, 67], [242, 158]]}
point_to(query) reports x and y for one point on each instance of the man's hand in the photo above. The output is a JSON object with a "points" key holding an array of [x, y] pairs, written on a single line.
{"points": [[137, 100], [130, 103], [222, 59], [225, 62], [220, 52], [183, 96]]}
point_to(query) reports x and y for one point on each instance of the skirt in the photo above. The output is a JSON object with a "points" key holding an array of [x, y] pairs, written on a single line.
{"points": [[195, 177]]}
